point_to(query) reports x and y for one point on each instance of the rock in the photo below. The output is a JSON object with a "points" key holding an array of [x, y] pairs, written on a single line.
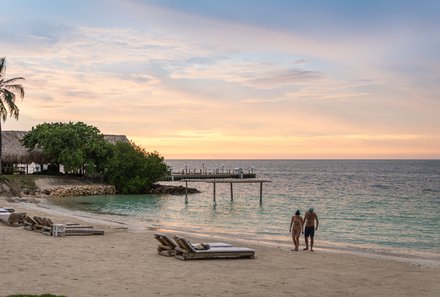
{"points": [[80, 190], [159, 189]]}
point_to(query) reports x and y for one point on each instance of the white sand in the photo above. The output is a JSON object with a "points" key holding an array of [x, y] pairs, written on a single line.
{"points": [[124, 262]]}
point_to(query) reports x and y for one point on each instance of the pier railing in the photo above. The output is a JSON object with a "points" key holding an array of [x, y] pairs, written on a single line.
{"points": [[205, 173], [182, 176]]}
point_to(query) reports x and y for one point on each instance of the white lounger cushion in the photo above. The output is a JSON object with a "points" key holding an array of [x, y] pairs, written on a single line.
{"points": [[225, 250]]}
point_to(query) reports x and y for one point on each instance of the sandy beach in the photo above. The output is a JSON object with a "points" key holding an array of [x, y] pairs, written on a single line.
{"points": [[124, 262]]}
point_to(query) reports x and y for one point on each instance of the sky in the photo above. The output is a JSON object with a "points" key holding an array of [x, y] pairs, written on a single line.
{"points": [[242, 79]]}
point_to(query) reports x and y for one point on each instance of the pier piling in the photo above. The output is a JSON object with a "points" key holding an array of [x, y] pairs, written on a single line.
{"points": [[230, 181], [232, 193], [186, 192], [214, 192]]}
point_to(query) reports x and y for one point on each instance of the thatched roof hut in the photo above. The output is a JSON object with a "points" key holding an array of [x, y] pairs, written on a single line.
{"points": [[115, 138], [14, 152]]}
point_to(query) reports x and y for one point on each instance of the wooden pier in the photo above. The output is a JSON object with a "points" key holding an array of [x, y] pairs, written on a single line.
{"points": [[209, 173], [198, 176], [223, 181]]}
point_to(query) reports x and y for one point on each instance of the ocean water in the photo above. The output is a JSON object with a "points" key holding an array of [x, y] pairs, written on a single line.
{"points": [[379, 206]]}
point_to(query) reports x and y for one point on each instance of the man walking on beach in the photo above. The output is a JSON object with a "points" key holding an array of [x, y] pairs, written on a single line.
{"points": [[309, 229]]}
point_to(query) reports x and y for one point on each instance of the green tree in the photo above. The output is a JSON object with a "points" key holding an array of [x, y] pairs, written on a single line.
{"points": [[132, 170], [9, 90], [76, 146]]}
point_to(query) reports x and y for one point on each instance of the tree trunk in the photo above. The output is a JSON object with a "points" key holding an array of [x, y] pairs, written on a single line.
{"points": [[1, 148]]}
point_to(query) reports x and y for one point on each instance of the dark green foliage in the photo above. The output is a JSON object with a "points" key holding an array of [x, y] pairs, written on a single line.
{"points": [[132, 170], [76, 146], [127, 166]]}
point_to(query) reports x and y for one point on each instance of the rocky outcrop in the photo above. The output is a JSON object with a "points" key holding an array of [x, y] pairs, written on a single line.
{"points": [[171, 190], [80, 190], [87, 190], [57, 187]]}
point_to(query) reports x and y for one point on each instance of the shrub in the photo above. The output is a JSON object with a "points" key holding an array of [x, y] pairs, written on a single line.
{"points": [[132, 170]]}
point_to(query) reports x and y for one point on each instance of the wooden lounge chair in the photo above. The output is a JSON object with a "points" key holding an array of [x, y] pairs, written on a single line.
{"points": [[50, 223], [71, 229], [29, 224], [167, 246], [13, 218], [186, 251], [6, 209], [42, 226]]}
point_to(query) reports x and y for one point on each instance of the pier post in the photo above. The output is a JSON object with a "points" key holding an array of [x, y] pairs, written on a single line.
{"points": [[232, 193], [261, 193], [186, 192], [214, 193]]}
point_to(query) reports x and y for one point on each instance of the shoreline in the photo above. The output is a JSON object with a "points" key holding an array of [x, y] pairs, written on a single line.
{"points": [[423, 258], [124, 262]]}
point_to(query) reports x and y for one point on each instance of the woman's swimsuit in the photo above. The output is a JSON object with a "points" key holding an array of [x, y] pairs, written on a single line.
{"points": [[296, 223]]}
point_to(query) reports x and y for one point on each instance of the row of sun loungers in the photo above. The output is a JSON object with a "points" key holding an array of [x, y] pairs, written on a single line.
{"points": [[177, 247], [46, 225], [183, 249]]}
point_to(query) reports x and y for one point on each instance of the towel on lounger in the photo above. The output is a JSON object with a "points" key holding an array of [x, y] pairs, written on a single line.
{"points": [[201, 246]]}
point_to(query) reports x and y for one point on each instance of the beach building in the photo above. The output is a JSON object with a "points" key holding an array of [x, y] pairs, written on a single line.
{"points": [[19, 160]]}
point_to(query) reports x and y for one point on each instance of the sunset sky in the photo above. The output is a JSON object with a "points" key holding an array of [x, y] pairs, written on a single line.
{"points": [[233, 79]]}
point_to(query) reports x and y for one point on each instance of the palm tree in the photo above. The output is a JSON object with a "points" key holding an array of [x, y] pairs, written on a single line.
{"points": [[9, 90]]}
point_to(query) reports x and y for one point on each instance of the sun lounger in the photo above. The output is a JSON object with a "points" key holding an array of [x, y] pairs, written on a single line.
{"points": [[4, 216], [16, 219], [42, 226], [186, 251], [46, 226], [82, 232], [13, 218], [29, 223], [68, 225], [6, 209], [167, 246]]}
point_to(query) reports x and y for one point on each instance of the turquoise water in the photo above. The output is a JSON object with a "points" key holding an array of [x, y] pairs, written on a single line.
{"points": [[383, 206]]}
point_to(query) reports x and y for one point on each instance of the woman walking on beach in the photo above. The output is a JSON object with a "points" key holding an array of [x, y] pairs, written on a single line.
{"points": [[296, 225]]}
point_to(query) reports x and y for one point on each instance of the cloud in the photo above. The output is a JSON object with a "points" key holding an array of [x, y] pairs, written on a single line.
{"points": [[208, 82], [252, 73]]}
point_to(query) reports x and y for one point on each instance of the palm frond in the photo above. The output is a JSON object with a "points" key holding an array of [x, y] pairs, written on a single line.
{"points": [[7, 105], [15, 89], [2, 66], [9, 89], [12, 80]]}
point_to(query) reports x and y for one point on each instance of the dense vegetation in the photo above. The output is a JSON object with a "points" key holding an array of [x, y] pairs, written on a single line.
{"points": [[82, 149], [77, 146], [133, 170]]}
